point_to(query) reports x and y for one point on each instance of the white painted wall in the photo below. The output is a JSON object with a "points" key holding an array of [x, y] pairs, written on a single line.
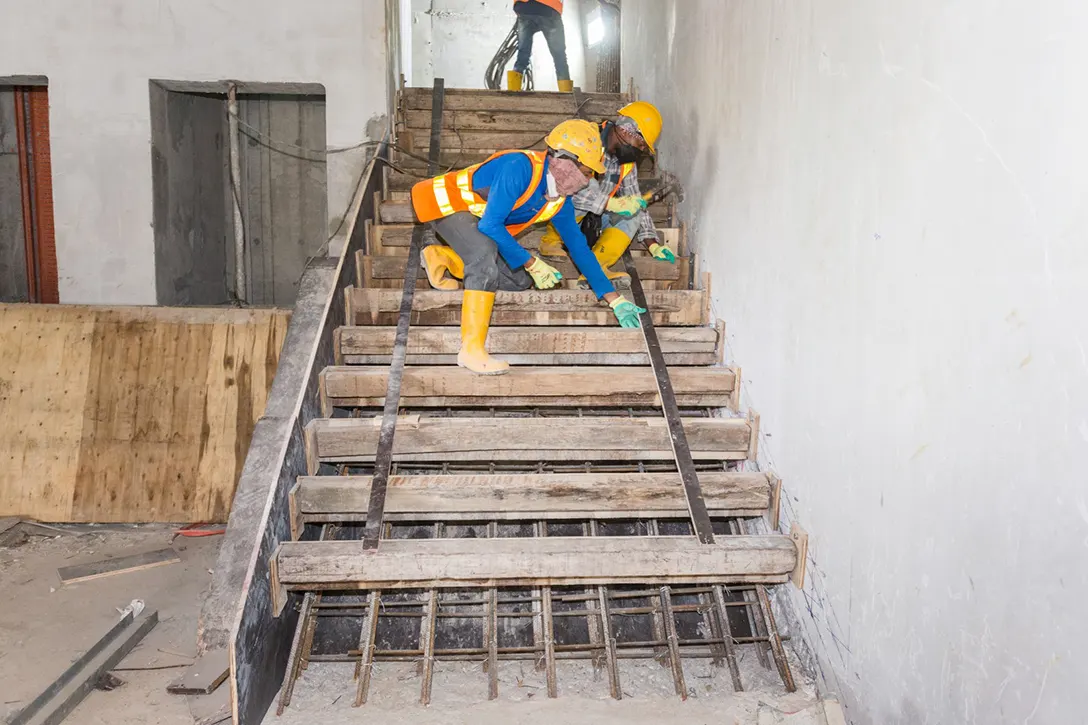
{"points": [[460, 37], [99, 57], [892, 199]]}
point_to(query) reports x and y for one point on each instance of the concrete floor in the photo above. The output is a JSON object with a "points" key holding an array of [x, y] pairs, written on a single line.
{"points": [[44, 626]]}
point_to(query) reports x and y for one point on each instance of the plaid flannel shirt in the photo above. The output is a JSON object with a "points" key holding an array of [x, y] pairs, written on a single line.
{"points": [[594, 198]]}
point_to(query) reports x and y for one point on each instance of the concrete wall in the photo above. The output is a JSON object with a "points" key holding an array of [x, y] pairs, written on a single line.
{"points": [[99, 57], [460, 37], [891, 197]]}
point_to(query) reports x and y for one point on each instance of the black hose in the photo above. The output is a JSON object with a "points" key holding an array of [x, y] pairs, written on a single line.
{"points": [[508, 49]]}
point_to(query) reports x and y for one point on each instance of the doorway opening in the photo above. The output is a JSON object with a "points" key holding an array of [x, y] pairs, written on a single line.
{"points": [[277, 191]]}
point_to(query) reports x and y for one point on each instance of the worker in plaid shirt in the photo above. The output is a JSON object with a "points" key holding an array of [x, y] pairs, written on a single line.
{"points": [[615, 196]]}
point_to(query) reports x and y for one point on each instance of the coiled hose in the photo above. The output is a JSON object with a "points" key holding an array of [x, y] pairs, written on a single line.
{"points": [[508, 49]]}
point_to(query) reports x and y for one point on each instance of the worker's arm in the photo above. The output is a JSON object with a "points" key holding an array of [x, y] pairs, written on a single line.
{"points": [[579, 251], [506, 188], [647, 233], [592, 199]]}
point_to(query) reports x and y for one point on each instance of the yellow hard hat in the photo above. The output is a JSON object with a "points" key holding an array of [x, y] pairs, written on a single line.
{"points": [[647, 118], [582, 140]]}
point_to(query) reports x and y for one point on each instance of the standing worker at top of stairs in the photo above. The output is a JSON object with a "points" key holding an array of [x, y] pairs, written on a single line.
{"points": [[615, 198], [546, 17], [479, 210]]}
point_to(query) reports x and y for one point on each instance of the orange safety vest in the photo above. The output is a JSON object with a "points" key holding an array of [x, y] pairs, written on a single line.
{"points": [[451, 193], [556, 5]]}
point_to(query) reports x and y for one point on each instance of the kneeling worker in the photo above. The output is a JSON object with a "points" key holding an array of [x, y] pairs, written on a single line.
{"points": [[616, 196], [478, 210]]}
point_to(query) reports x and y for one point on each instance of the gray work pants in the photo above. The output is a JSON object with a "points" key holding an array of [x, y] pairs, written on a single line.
{"points": [[485, 269]]}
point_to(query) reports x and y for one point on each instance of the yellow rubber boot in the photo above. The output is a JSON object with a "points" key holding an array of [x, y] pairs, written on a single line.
{"points": [[551, 244], [609, 248], [566, 86], [440, 259], [513, 80], [475, 320]]}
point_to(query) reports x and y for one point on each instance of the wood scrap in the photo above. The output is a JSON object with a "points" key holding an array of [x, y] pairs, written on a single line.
{"points": [[203, 676], [119, 565]]}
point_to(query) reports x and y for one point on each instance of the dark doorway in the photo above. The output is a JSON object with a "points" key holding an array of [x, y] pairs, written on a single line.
{"points": [[281, 189], [28, 250]]}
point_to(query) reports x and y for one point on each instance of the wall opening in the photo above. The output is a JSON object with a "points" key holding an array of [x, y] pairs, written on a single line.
{"points": [[28, 250], [282, 190]]}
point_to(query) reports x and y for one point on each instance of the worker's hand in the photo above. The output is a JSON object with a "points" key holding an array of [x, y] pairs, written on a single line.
{"points": [[544, 275], [627, 312], [660, 251], [626, 206]]}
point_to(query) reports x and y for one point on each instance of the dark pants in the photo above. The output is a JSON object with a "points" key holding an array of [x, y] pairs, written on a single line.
{"points": [[551, 25], [485, 269]]}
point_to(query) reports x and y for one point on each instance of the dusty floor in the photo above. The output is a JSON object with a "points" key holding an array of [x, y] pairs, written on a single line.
{"points": [[44, 626]]}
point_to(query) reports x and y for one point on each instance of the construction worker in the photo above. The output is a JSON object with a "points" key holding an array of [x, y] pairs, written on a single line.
{"points": [[477, 211], [615, 197], [545, 17]]}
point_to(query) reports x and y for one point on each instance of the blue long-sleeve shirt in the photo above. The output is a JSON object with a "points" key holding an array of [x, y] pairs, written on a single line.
{"points": [[501, 182]]}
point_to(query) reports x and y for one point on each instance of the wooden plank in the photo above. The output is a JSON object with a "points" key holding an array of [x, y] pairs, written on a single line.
{"points": [[540, 123], [61, 698], [530, 497], [392, 268], [400, 211], [547, 340], [393, 239], [119, 565], [398, 181], [597, 105], [553, 561], [597, 386], [530, 439], [130, 414], [455, 140], [534, 307], [204, 676]]}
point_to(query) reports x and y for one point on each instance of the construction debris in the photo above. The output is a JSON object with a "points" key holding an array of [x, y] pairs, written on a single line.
{"points": [[60, 698], [120, 565]]}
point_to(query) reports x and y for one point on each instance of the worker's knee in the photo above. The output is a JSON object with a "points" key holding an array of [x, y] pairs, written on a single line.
{"points": [[482, 273], [627, 225]]}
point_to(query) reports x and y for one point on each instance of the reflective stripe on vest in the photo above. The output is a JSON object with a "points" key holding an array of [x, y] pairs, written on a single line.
{"points": [[625, 170], [556, 5], [435, 199]]}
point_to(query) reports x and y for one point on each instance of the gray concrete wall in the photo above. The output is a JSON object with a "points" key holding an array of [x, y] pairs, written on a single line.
{"points": [[99, 57], [891, 198], [13, 282], [460, 37]]}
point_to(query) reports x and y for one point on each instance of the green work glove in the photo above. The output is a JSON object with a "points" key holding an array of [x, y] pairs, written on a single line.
{"points": [[627, 312], [660, 251], [544, 275], [625, 206]]}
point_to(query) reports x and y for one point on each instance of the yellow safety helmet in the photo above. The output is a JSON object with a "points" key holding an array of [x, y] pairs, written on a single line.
{"points": [[582, 140], [647, 118]]}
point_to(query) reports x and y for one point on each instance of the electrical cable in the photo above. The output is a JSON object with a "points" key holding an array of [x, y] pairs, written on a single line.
{"points": [[506, 51]]}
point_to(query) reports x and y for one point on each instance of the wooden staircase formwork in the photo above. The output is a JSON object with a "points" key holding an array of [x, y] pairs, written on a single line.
{"points": [[537, 515]]}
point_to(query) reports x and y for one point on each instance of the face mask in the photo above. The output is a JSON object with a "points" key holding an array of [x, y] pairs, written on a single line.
{"points": [[569, 179], [628, 154]]}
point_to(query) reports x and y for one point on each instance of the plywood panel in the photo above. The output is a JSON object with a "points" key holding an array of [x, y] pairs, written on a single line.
{"points": [[130, 414]]}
